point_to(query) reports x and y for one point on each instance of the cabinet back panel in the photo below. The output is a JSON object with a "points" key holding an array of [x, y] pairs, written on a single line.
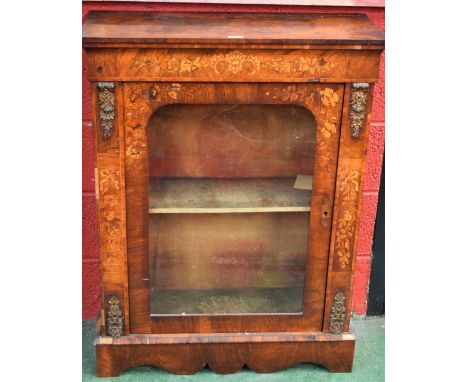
{"points": [[228, 263], [201, 251], [231, 141]]}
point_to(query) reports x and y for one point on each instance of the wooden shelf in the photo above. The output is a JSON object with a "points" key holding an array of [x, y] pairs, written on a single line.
{"points": [[172, 196]]}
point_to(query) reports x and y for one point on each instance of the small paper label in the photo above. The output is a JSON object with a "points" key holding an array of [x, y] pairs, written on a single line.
{"points": [[303, 182], [235, 36]]}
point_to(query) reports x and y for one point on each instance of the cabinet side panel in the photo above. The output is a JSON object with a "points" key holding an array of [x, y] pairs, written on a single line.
{"points": [[110, 195], [348, 194]]}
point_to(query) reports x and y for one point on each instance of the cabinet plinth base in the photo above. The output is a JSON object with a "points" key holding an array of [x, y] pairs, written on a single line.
{"points": [[224, 353]]}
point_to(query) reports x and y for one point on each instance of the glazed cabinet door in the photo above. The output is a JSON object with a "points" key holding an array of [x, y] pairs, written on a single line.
{"points": [[229, 196]]}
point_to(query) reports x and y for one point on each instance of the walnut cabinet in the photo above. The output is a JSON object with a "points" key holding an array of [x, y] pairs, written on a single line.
{"points": [[229, 167]]}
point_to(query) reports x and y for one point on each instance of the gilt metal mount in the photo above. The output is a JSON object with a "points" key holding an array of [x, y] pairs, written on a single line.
{"points": [[115, 319], [106, 107], [338, 314], [358, 102]]}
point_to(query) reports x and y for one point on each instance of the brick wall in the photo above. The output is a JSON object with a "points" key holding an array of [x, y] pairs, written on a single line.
{"points": [[373, 164]]}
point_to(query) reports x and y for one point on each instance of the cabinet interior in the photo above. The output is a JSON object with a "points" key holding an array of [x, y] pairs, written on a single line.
{"points": [[229, 207]]}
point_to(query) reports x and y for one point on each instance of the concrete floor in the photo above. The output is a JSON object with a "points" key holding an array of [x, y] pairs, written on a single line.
{"points": [[369, 362]]}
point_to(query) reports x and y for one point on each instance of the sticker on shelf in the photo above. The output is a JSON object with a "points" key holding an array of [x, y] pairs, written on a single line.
{"points": [[303, 182]]}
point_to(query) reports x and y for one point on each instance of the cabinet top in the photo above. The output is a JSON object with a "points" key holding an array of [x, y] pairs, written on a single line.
{"points": [[120, 29]]}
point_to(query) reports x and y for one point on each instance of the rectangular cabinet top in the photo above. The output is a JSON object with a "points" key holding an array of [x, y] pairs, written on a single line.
{"points": [[103, 28]]}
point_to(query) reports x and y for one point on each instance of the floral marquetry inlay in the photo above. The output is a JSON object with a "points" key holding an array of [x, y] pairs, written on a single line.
{"points": [[327, 120], [232, 62], [289, 93], [289, 65], [328, 129], [157, 93], [108, 181], [149, 64], [109, 188], [347, 216], [136, 147], [235, 62], [185, 65], [329, 97], [344, 236], [213, 64], [349, 185]]}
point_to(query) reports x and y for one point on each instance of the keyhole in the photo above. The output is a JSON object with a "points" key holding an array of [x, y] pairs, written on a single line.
{"points": [[153, 93], [325, 214]]}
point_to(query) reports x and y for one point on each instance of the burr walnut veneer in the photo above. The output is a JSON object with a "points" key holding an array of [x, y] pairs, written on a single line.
{"points": [[229, 167]]}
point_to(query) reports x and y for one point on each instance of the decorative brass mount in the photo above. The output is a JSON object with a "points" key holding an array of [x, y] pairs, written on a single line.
{"points": [[338, 314], [115, 320], [106, 107], [358, 101]]}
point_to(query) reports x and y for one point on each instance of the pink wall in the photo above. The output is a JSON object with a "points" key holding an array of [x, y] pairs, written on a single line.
{"points": [[373, 164]]}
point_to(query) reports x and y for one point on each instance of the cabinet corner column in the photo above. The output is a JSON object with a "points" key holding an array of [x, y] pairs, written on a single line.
{"points": [[346, 213], [110, 197]]}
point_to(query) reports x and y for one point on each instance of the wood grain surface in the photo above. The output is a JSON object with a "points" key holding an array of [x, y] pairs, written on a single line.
{"points": [[225, 354], [218, 28]]}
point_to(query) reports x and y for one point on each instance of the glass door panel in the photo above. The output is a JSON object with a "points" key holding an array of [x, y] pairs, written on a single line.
{"points": [[229, 208]]}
